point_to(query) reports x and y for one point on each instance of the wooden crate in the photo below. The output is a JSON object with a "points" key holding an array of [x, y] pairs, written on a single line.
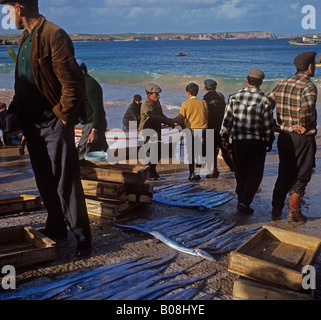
{"points": [[24, 246], [245, 289], [111, 191], [22, 203], [103, 171], [275, 256], [110, 209], [102, 188]]}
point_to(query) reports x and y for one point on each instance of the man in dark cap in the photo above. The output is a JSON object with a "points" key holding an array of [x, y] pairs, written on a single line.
{"points": [[133, 112], [48, 100], [152, 117], [216, 109], [93, 136], [295, 100], [248, 122]]}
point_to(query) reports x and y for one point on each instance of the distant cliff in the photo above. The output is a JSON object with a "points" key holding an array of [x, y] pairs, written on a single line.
{"points": [[175, 36], [13, 39]]}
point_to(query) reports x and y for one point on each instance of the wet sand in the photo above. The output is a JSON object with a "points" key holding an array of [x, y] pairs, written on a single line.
{"points": [[112, 245]]}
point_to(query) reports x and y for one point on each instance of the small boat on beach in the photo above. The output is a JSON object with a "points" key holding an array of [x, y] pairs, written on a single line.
{"points": [[301, 43], [181, 54]]}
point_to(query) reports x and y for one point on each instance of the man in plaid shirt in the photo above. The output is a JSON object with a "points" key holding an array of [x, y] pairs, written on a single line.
{"points": [[248, 122], [295, 100]]}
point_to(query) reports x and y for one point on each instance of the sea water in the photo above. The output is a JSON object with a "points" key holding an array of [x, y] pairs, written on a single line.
{"points": [[123, 68]]}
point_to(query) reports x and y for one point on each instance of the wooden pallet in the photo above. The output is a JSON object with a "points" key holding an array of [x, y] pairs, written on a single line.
{"points": [[18, 204], [24, 246]]}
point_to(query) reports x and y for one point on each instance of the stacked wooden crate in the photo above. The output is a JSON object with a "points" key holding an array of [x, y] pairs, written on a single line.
{"points": [[270, 265], [114, 189]]}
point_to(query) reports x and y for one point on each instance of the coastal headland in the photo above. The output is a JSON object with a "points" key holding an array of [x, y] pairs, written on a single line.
{"points": [[13, 39]]}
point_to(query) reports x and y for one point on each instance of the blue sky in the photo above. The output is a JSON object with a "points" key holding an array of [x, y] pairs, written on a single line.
{"points": [[191, 16]]}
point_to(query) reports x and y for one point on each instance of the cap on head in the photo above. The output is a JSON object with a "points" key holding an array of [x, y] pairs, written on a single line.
{"points": [[2, 105], [256, 73], [210, 84], [138, 97], [153, 88], [303, 60]]}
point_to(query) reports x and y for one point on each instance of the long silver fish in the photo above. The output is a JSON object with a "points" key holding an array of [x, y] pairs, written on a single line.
{"points": [[158, 290], [216, 234], [91, 286], [185, 227], [234, 244], [191, 232], [141, 284], [73, 288], [185, 294], [171, 243], [202, 240], [107, 290], [21, 294], [231, 236]]}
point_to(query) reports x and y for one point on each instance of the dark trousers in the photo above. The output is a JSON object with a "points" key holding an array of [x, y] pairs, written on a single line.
{"points": [[55, 163], [249, 159], [225, 153], [99, 145], [198, 138], [151, 144], [297, 157]]}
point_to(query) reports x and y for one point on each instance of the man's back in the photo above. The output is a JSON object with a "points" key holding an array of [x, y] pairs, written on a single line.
{"points": [[195, 112], [216, 108], [295, 100]]}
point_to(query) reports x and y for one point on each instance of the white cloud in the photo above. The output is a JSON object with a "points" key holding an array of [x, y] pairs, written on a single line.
{"points": [[231, 10], [295, 6]]}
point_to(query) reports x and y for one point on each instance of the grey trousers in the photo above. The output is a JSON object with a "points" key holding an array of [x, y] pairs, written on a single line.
{"points": [[55, 163]]}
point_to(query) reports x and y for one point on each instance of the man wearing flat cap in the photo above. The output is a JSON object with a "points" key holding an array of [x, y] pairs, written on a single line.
{"points": [[152, 117], [216, 108], [248, 122], [295, 100], [48, 100]]}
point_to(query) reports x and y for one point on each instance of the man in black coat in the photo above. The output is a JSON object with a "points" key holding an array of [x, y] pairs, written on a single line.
{"points": [[133, 112], [216, 108]]}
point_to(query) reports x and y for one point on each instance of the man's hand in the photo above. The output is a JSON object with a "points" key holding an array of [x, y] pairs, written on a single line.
{"points": [[299, 129], [64, 122], [173, 123], [93, 137]]}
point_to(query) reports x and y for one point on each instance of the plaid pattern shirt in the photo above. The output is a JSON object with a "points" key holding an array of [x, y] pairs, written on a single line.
{"points": [[248, 116], [295, 99]]}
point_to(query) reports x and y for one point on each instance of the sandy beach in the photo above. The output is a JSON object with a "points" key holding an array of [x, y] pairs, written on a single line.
{"points": [[112, 245]]}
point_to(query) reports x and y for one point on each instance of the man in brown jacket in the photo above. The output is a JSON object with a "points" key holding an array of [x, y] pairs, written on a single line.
{"points": [[48, 101]]}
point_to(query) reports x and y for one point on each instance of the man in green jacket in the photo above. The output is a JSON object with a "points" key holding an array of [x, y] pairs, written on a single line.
{"points": [[150, 126], [93, 136], [48, 100]]}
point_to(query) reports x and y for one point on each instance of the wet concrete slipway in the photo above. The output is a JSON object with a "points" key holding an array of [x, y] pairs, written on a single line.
{"points": [[112, 244]]}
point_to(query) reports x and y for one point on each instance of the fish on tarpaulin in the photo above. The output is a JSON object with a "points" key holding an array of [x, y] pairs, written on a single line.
{"points": [[198, 235], [179, 196], [132, 280]]}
